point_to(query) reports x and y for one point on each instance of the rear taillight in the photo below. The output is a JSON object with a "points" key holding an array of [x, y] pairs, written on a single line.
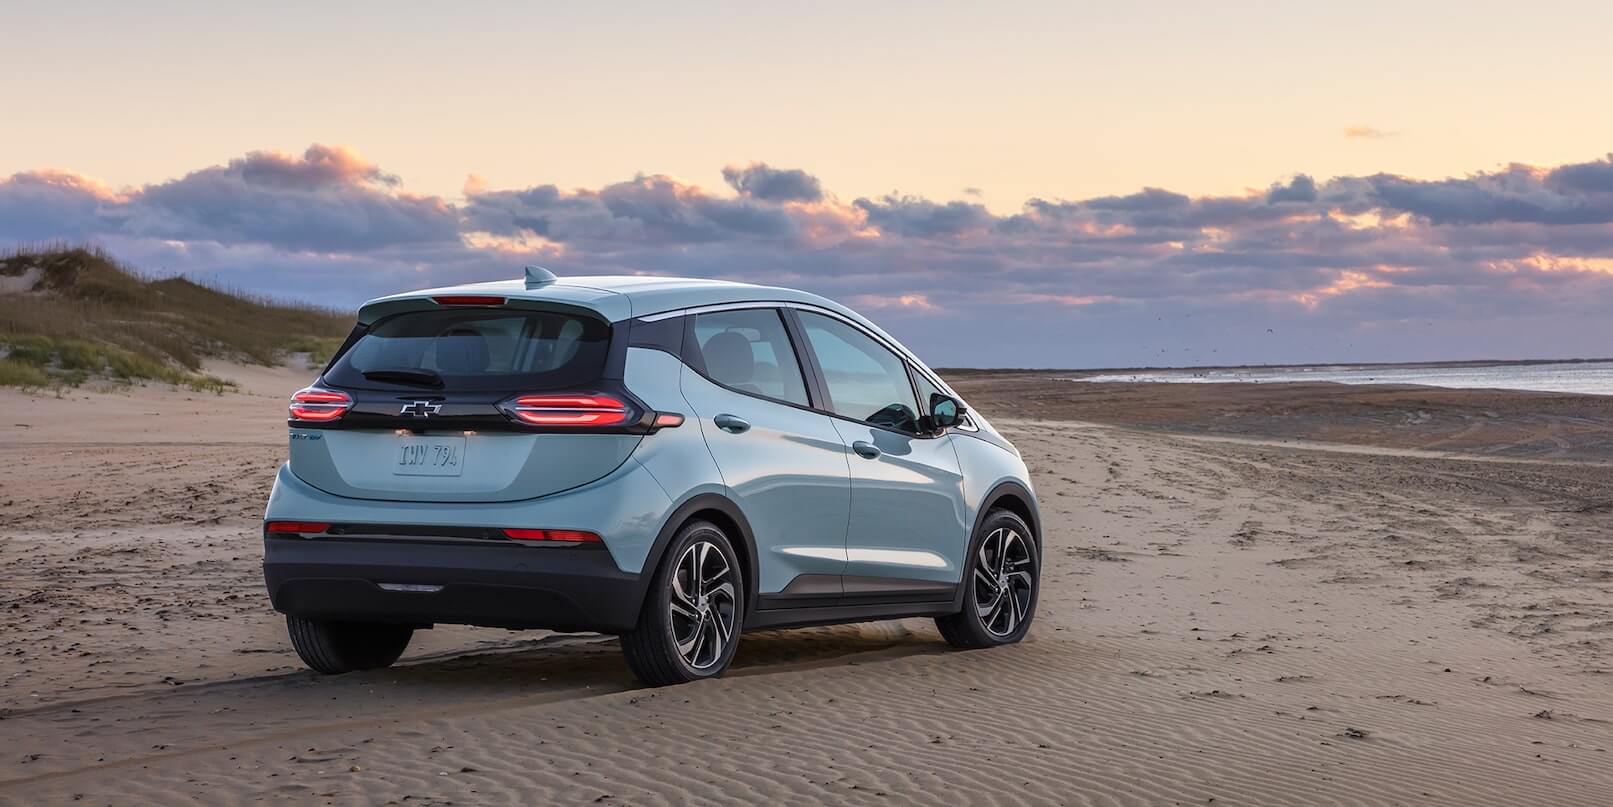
{"points": [[318, 405], [568, 410], [296, 527], [562, 536]]}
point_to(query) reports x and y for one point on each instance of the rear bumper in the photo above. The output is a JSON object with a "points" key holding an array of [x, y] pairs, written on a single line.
{"points": [[628, 508], [424, 580]]}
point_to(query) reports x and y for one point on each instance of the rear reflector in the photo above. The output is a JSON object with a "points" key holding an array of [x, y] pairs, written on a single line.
{"points": [[319, 405], [296, 527], [668, 420], [566, 536], [467, 299], [411, 588], [568, 410]]}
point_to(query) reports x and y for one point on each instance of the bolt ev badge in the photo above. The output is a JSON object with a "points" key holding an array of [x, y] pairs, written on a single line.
{"points": [[421, 409]]}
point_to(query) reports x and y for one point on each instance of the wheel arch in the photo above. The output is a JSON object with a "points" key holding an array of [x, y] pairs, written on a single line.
{"points": [[1008, 495], [723, 512], [1015, 498]]}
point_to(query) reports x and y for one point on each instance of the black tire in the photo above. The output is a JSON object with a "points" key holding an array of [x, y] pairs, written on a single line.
{"points": [[337, 647], [988, 565], [679, 620]]}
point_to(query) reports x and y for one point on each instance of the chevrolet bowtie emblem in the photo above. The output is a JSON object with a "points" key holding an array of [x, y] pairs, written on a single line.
{"points": [[421, 409]]}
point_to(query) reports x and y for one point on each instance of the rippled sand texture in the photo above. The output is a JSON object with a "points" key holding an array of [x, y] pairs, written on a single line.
{"points": [[1232, 620]]}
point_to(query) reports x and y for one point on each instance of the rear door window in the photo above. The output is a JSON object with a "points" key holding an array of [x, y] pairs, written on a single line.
{"points": [[749, 350], [476, 350], [866, 381]]}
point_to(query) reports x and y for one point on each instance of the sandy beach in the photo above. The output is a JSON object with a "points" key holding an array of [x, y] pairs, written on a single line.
{"points": [[1253, 594]]}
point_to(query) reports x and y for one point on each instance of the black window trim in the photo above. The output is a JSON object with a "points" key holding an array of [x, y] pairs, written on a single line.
{"points": [[347, 344], [817, 387], [697, 362], [924, 405]]}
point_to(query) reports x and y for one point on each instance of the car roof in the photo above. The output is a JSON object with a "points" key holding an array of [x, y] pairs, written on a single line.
{"points": [[614, 297], [621, 297]]}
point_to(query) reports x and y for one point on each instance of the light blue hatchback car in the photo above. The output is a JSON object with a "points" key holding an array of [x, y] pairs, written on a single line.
{"points": [[671, 460]]}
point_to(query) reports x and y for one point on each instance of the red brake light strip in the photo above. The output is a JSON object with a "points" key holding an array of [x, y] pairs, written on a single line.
{"points": [[319, 405], [568, 410]]}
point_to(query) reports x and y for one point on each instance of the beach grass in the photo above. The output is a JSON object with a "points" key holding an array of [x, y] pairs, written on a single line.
{"points": [[73, 314]]}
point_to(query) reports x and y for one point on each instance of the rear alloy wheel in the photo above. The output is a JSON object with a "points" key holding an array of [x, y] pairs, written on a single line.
{"points": [[692, 614], [1000, 590], [332, 647]]}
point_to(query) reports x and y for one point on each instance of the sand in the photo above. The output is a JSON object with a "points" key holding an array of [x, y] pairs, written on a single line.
{"points": [[1234, 611]]}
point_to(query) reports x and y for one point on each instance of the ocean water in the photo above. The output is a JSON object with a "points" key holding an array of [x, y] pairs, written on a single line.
{"points": [[1591, 378]]}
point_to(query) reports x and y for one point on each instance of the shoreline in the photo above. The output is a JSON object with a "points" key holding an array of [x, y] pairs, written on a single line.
{"points": [[1507, 423], [1414, 365]]}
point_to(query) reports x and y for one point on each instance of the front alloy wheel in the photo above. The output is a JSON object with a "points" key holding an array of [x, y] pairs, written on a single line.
{"points": [[1000, 592], [1003, 584]]}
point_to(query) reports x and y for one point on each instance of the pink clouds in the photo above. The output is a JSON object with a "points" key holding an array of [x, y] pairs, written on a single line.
{"points": [[1342, 252], [319, 166], [873, 302]]}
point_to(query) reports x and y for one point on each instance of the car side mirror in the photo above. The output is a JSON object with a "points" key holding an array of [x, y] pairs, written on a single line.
{"points": [[945, 411]]}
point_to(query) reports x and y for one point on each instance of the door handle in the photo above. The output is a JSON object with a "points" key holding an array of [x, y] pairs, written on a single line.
{"points": [[732, 424], [865, 449]]}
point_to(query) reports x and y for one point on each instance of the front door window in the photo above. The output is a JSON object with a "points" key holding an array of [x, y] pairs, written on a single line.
{"points": [[866, 381]]}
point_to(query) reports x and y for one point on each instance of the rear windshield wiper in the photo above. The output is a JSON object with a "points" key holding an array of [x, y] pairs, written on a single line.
{"points": [[419, 378]]}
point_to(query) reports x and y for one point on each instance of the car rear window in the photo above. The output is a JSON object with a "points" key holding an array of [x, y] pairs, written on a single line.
{"points": [[477, 349]]}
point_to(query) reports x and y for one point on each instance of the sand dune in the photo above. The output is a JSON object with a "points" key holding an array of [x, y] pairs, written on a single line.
{"points": [[1233, 621]]}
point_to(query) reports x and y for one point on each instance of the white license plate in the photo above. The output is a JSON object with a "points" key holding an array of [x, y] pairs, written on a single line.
{"points": [[430, 456]]}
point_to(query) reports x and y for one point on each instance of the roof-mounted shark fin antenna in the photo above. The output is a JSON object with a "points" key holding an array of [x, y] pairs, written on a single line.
{"points": [[538, 276]]}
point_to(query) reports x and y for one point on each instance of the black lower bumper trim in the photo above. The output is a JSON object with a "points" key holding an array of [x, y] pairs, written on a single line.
{"points": [[501, 585]]}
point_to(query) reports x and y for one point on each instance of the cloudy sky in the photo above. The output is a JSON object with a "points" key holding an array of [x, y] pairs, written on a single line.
{"points": [[1048, 185]]}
